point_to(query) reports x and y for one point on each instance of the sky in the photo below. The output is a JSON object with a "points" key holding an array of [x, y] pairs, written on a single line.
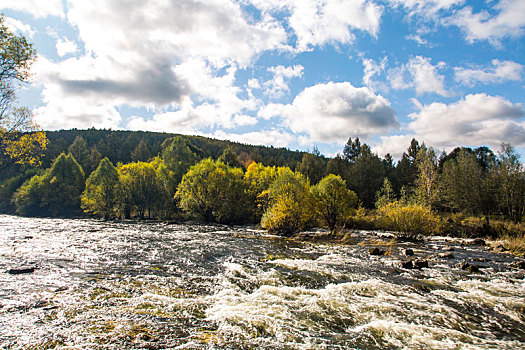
{"points": [[289, 73]]}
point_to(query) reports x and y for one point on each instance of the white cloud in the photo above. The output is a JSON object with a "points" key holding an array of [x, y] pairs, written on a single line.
{"points": [[159, 54], [65, 46], [37, 8], [334, 111], [396, 145], [508, 22], [318, 22], [499, 72], [17, 26], [477, 119], [371, 69], [419, 74], [426, 8], [278, 86]]}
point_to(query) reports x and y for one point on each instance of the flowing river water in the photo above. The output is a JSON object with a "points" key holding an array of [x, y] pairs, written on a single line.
{"points": [[110, 285]]}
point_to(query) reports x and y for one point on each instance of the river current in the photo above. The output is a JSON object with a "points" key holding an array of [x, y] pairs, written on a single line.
{"points": [[111, 285]]}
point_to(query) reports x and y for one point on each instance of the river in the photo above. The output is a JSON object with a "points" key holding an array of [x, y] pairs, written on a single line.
{"points": [[111, 285]]}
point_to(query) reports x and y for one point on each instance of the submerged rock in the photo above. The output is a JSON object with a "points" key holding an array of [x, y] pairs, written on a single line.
{"points": [[376, 251], [446, 255], [448, 249], [413, 264], [419, 264], [408, 252], [21, 270], [468, 267]]}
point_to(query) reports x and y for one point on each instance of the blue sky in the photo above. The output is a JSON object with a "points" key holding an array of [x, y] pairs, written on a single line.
{"points": [[291, 73]]}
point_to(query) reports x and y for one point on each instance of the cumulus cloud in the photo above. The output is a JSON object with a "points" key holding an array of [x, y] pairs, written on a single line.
{"points": [[508, 22], [334, 111], [159, 54], [419, 74], [278, 85], [17, 26], [318, 22], [477, 119], [500, 71], [65, 46], [36, 8]]}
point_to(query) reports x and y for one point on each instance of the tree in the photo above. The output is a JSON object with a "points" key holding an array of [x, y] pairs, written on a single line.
{"points": [[55, 193], [79, 149], [229, 157], [312, 166], [352, 150], [100, 195], [139, 188], [461, 183], [141, 153], [258, 179], [334, 201], [366, 176], [509, 179], [407, 168], [20, 143], [214, 192], [178, 157], [385, 195], [426, 190], [290, 206]]}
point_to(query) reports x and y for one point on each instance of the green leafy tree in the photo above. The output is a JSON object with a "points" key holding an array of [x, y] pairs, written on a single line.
{"points": [[100, 195], [79, 149], [509, 179], [178, 157], [290, 207], [141, 153], [461, 183], [139, 189], [386, 194], [352, 150], [312, 166], [334, 201], [426, 190], [258, 179], [54, 193], [366, 176], [214, 192], [229, 157]]}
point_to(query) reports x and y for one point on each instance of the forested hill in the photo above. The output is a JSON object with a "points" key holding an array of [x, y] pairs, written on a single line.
{"points": [[129, 146]]}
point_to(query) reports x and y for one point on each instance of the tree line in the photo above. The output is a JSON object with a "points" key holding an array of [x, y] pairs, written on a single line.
{"points": [[179, 183]]}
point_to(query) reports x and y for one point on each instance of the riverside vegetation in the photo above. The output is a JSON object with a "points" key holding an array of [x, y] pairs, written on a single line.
{"points": [[469, 192]]}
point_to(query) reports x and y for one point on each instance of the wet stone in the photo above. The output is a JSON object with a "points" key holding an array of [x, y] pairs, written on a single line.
{"points": [[406, 264], [446, 255], [376, 251], [419, 264], [468, 267], [408, 252], [21, 270], [448, 249]]}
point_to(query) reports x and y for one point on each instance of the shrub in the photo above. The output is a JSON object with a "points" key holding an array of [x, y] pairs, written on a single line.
{"points": [[410, 219]]}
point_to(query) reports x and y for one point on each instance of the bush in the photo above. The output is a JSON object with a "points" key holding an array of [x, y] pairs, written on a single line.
{"points": [[290, 207], [410, 219]]}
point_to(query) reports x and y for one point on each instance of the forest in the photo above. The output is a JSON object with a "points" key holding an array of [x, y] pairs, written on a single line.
{"points": [[144, 175]]}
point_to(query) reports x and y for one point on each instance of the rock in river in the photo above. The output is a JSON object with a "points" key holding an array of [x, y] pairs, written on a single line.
{"points": [[21, 270], [376, 251]]}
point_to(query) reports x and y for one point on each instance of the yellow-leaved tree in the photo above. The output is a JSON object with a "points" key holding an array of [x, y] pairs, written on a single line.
{"points": [[20, 140]]}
